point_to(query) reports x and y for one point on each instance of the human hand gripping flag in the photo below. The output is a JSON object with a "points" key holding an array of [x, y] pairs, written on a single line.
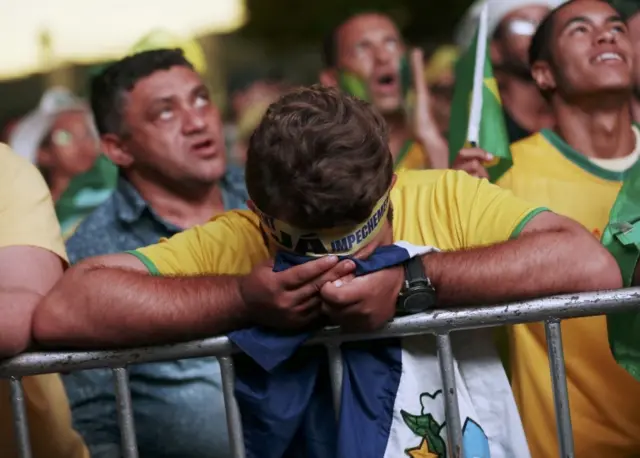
{"points": [[477, 118], [286, 404], [282, 391]]}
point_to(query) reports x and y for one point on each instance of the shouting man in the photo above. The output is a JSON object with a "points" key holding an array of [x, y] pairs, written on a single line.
{"points": [[366, 57]]}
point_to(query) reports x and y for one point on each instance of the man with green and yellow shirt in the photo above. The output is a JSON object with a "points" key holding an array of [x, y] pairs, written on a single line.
{"points": [[581, 59], [366, 57], [319, 162]]}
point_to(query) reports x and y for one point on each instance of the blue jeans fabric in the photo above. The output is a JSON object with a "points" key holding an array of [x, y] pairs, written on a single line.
{"points": [[178, 410]]}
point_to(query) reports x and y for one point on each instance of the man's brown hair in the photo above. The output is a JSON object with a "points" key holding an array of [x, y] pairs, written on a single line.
{"points": [[319, 159]]}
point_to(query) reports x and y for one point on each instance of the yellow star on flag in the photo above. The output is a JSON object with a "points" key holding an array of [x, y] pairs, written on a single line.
{"points": [[422, 451], [492, 85]]}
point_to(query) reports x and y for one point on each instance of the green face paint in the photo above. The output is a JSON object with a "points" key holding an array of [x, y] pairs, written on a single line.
{"points": [[61, 137]]}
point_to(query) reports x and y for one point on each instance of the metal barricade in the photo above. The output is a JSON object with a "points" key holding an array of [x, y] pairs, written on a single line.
{"points": [[439, 322]]}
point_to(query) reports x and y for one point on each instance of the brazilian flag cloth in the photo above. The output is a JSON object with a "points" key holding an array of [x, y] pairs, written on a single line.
{"points": [[622, 238], [492, 131]]}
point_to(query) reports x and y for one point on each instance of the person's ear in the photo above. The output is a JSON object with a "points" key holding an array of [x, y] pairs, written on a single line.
{"points": [[44, 157], [328, 77], [114, 148], [496, 53], [543, 76], [252, 206], [394, 178]]}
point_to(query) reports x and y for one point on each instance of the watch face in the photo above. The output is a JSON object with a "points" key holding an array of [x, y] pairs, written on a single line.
{"points": [[419, 301]]}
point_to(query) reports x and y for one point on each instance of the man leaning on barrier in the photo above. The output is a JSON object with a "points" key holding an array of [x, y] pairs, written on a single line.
{"points": [[320, 159]]}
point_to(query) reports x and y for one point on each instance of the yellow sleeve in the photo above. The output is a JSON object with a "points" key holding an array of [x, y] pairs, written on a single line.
{"points": [[478, 212], [27, 214], [230, 244]]}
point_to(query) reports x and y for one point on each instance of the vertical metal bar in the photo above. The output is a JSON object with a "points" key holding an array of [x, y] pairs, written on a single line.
{"points": [[234, 423], [20, 418], [451, 409], [335, 374], [559, 383], [128, 444]]}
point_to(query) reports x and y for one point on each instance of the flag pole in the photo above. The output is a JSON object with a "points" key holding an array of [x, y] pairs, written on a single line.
{"points": [[475, 112]]}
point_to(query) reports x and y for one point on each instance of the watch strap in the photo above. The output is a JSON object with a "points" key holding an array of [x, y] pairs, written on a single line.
{"points": [[414, 270]]}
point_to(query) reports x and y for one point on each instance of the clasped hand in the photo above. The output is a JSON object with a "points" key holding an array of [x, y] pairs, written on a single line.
{"points": [[299, 296]]}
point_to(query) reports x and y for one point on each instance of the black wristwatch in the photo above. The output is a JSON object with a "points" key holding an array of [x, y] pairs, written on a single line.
{"points": [[417, 293]]}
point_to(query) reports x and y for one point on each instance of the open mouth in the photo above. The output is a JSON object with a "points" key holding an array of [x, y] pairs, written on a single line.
{"points": [[386, 80], [608, 57], [204, 145], [386, 84]]}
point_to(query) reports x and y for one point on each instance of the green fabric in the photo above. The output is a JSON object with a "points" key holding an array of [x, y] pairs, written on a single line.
{"points": [[85, 192], [493, 136], [580, 159], [622, 238], [522, 224], [148, 263]]}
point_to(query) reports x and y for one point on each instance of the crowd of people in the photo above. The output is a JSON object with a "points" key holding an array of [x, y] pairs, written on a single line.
{"points": [[139, 218]]}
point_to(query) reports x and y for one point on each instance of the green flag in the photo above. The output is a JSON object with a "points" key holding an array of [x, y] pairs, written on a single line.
{"points": [[622, 238], [492, 130]]}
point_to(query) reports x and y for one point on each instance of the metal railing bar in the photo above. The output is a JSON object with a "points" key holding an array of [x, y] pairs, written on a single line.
{"points": [[441, 320], [553, 332], [234, 420], [20, 421], [451, 407], [128, 445]]}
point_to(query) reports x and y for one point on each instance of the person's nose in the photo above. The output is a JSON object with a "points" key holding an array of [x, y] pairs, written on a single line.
{"points": [[193, 121], [606, 35], [383, 55]]}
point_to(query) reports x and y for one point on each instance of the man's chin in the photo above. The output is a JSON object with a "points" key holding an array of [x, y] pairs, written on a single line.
{"points": [[388, 107]]}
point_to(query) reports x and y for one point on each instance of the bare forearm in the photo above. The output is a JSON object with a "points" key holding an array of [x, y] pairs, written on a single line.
{"points": [[114, 307], [533, 265], [17, 306], [436, 147]]}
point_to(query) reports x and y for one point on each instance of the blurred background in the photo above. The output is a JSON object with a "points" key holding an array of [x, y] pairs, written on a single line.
{"points": [[50, 43]]}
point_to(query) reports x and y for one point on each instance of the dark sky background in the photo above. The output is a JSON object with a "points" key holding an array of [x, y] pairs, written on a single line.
{"points": [[296, 22], [281, 37]]}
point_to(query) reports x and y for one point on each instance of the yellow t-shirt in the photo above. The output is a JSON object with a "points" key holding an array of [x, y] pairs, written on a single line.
{"points": [[604, 399], [27, 217], [447, 209], [27, 213], [411, 157]]}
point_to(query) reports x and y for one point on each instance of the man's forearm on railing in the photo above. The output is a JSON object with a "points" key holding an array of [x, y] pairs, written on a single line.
{"points": [[16, 308], [536, 264], [111, 307]]}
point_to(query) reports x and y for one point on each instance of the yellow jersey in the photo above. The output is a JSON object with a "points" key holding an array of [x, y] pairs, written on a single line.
{"points": [[604, 398], [443, 208], [27, 217], [410, 157]]}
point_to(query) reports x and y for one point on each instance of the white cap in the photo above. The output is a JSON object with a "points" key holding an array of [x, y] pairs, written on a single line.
{"points": [[498, 10], [30, 131]]}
